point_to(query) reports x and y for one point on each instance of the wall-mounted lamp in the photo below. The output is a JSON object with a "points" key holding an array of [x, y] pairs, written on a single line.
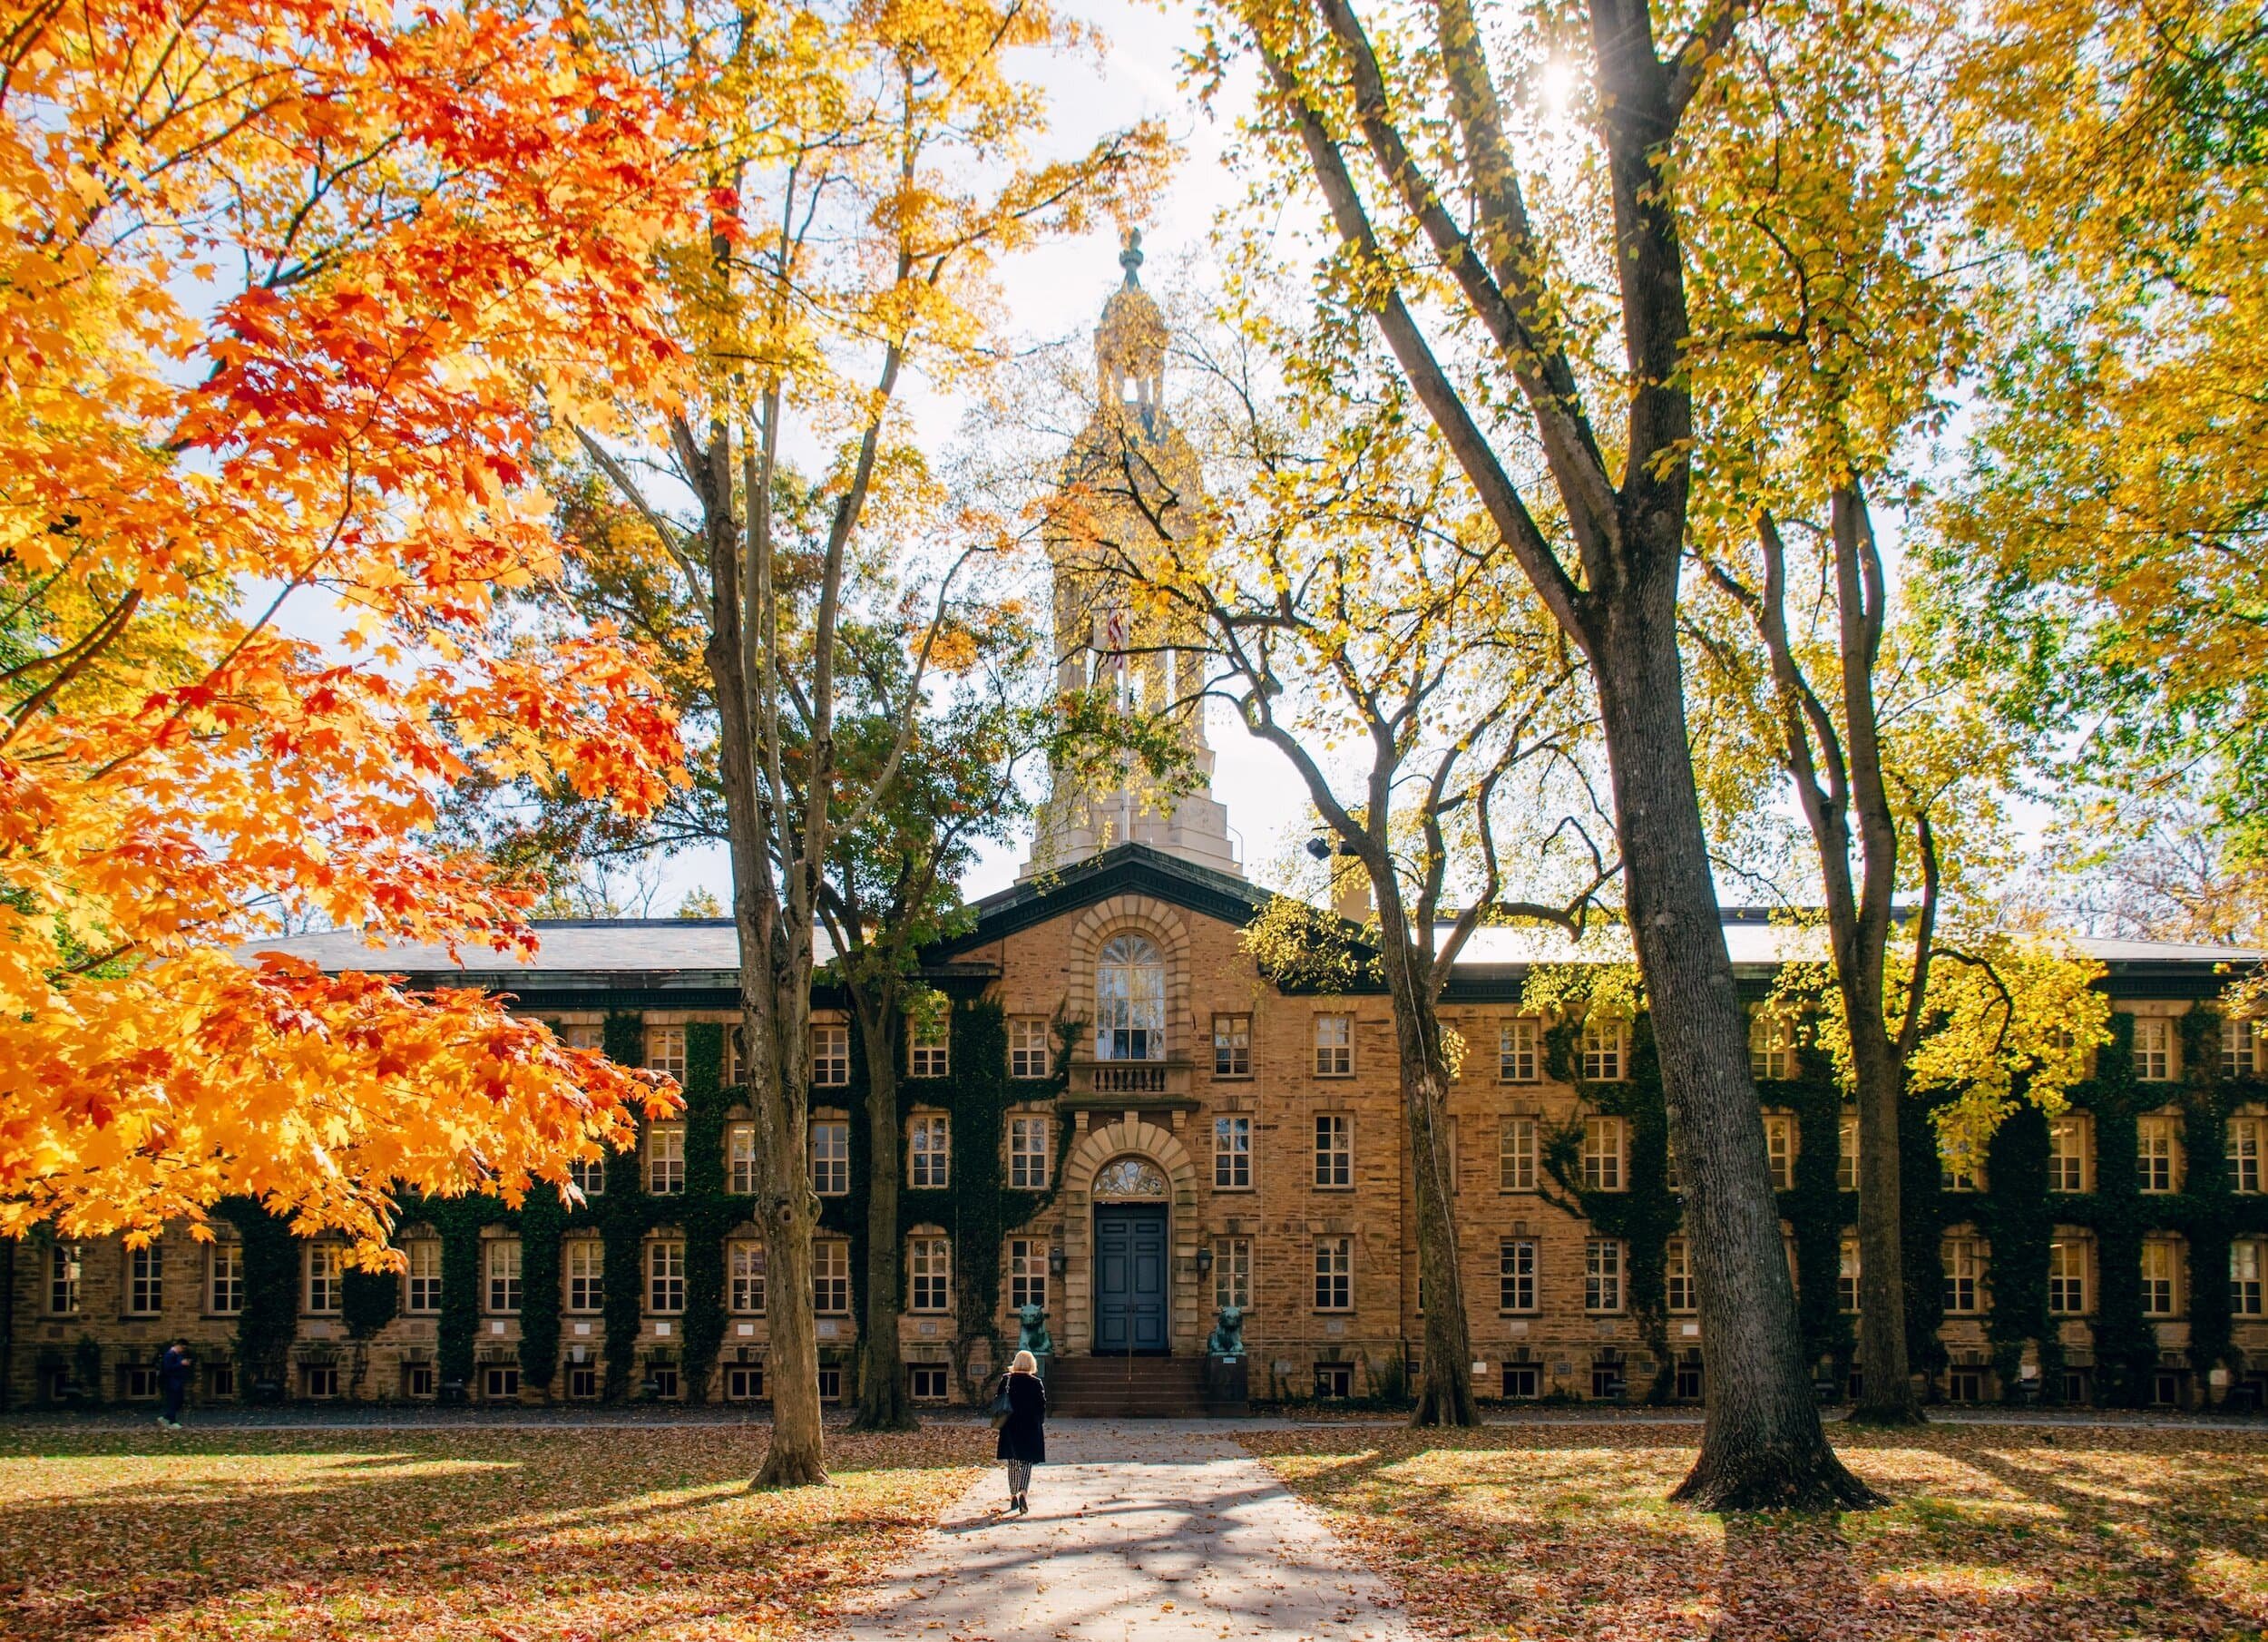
{"points": [[1055, 1260], [1204, 1261]]}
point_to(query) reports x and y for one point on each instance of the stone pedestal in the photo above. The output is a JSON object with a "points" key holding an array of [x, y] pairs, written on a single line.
{"points": [[1228, 1384]]}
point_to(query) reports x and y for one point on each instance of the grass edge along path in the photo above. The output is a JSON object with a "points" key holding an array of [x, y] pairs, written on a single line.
{"points": [[494, 1535], [2078, 1534]]}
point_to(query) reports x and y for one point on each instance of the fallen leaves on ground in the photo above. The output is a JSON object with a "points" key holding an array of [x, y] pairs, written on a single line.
{"points": [[565, 1536], [2000, 1532]]}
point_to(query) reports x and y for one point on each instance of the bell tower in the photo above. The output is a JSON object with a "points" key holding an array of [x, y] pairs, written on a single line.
{"points": [[1130, 477]]}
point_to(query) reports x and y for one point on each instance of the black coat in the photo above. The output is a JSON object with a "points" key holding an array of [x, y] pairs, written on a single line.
{"points": [[1025, 1436]]}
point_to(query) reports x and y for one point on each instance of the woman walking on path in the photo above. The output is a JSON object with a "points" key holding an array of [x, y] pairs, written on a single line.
{"points": [[1023, 1437]]}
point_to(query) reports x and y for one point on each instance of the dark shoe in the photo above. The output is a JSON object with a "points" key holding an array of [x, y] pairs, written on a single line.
{"points": [[1024, 1506]]}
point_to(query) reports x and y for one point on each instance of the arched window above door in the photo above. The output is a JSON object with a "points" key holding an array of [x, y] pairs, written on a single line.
{"points": [[1130, 1001], [1131, 1177]]}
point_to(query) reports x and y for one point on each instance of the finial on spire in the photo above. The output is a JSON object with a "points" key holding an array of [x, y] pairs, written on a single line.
{"points": [[1130, 257]]}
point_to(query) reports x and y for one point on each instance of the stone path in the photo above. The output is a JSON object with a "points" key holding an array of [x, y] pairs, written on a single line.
{"points": [[1138, 1532]]}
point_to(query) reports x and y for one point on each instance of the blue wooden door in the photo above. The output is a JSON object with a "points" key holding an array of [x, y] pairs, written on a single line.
{"points": [[1130, 1279]]}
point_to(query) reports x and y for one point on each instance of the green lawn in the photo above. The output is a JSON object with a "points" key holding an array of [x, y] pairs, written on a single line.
{"points": [[1999, 1532], [503, 1536]]}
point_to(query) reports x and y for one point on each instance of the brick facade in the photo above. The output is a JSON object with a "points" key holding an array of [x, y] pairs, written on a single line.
{"points": [[1290, 1195]]}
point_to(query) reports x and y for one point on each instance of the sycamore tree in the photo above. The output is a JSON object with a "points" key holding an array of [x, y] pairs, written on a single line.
{"points": [[1360, 617], [2112, 175], [1522, 258], [863, 171], [276, 279]]}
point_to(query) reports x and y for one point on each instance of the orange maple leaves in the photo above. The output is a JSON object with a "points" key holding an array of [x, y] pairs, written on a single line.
{"points": [[284, 292]]}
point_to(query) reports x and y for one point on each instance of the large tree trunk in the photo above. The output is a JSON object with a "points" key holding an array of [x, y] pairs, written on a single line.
{"points": [[885, 1401], [1762, 1446], [1445, 1395]]}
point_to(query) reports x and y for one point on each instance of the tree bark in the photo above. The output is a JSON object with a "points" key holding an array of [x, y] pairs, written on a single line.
{"points": [[1445, 1393], [1762, 1446], [885, 1399]]}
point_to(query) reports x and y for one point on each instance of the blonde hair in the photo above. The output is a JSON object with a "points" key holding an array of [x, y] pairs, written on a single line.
{"points": [[1023, 1362]]}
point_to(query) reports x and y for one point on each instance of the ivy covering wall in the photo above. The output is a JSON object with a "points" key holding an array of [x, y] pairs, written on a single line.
{"points": [[2015, 1214]]}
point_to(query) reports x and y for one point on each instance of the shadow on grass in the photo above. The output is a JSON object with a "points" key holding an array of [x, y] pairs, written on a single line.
{"points": [[590, 1534], [1995, 1531]]}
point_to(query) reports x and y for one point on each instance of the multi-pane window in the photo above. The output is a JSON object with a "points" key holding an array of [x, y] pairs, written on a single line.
{"points": [[929, 1053], [583, 1034], [665, 1158], [1130, 1001], [928, 1153], [2066, 1277], [665, 1275], [1516, 1275], [1957, 1172], [1771, 1046], [1847, 1152], [1673, 1173], [1232, 1046], [2161, 1276], [422, 1283], [1232, 1271], [1964, 1272], [2154, 1143], [1027, 1272], [1335, 1046], [745, 1269], [145, 1280], [502, 1255], [1027, 1047], [1678, 1276], [64, 1268], [830, 1055], [1606, 1050], [1516, 1154], [2244, 1278], [2067, 1150], [665, 1050], [1847, 1288], [1779, 1148], [1232, 1153], [1602, 1154], [2244, 1146], [1602, 1275], [323, 1271], [225, 1297], [740, 1157], [830, 1276], [2153, 1049], [585, 1260], [589, 1174], [1031, 1153], [1335, 1149], [929, 1265], [1517, 1059], [1334, 1274], [830, 1157], [2240, 1048]]}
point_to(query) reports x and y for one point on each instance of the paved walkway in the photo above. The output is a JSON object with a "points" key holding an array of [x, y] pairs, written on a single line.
{"points": [[1138, 1532]]}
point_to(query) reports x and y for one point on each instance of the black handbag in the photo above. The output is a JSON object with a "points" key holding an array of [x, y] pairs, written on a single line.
{"points": [[1001, 1407]]}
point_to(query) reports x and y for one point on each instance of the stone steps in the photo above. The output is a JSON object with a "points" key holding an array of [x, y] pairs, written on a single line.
{"points": [[1139, 1388]]}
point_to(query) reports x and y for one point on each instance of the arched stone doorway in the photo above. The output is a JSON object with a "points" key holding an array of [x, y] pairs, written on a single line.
{"points": [[1120, 1176]]}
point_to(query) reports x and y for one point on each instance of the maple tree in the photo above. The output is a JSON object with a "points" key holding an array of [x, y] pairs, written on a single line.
{"points": [[863, 171], [1360, 617], [1512, 305], [277, 281]]}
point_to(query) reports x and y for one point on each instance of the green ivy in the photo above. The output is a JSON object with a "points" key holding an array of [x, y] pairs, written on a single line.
{"points": [[270, 1321]]}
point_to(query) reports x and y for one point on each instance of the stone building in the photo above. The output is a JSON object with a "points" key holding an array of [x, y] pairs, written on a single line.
{"points": [[1126, 1122]]}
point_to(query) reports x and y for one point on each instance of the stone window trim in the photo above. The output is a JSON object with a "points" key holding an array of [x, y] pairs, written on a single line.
{"points": [[2071, 1153], [2071, 1274], [224, 1278], [2158, 1159], [1031, 1051], [500, 1282], [2165, 1258], [928, 1272], [1333, 1045], [1335, 1273], [1232, 1048], [1519, 1153], [1518, 1287], [1333, 1152], [745, 1276], [2156, 1050], [928, 1150], [582, 1273], [1029, 1137], [1160, 922], [830, 1053], [931, 1056], [1520, 1049], [1232, 1152]]}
